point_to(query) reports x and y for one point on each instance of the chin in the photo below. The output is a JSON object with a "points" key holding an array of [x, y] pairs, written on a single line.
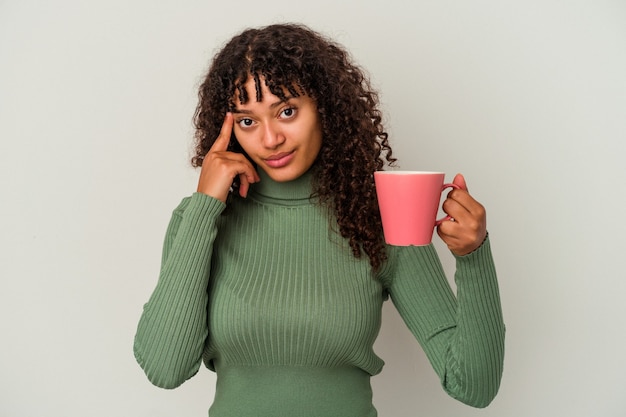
{"points": [[283, 174]]}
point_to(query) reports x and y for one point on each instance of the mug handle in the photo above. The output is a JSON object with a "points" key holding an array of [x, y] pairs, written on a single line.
{"points": [[438, 222]]}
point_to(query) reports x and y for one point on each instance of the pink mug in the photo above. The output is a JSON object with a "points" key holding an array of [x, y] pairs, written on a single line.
{"points": [[408, 202]]}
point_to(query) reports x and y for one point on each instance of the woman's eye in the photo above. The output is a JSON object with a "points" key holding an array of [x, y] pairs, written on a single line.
{"points": [[245, 122], [288, 112]]}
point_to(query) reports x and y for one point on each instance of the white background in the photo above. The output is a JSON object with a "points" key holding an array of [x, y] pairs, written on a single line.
{"points": [[527, 99]]}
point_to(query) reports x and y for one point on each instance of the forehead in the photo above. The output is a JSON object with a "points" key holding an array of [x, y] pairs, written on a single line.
{"points": [[256, 89]]}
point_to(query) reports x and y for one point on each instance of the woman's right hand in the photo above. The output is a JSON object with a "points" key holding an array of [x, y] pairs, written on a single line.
{"points": [[221, 166]]}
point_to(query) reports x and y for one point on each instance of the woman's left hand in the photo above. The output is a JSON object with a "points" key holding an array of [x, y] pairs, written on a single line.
{"points": [[469, 228]]}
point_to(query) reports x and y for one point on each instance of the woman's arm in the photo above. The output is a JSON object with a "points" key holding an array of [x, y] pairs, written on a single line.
{"points": [[173, 327], [463, 337]]}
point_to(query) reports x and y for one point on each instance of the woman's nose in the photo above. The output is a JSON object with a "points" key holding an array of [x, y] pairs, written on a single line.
{"points": [[272, 136]]}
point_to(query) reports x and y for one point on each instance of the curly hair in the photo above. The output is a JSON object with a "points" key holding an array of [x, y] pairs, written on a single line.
{"points": [[294, 58]]}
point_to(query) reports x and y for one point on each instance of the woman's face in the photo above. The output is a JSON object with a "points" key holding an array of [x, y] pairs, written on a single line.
{"points": [[283, 137]]}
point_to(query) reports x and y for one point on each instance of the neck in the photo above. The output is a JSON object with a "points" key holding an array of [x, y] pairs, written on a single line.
{"points": [[297, 191]]}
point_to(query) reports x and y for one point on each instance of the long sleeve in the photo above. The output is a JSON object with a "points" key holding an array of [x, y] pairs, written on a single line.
{"points": [[173, 327], [463, 336]]}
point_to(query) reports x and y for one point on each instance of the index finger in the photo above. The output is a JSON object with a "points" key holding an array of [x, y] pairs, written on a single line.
{"points": [[222, 141], [469, 203]]}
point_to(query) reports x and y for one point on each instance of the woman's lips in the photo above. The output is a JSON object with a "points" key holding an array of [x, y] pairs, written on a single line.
{"points": [[280, 159]]}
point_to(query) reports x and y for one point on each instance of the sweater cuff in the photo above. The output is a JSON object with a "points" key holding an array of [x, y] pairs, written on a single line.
{"points": [[478, 263], [203, 208], [483, 245]]}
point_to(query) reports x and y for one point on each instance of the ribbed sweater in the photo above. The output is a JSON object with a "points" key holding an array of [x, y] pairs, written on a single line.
{"points": [[269, 295]]}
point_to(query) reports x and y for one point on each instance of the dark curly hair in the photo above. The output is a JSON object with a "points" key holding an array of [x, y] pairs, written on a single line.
{"points": [[294, 58]]}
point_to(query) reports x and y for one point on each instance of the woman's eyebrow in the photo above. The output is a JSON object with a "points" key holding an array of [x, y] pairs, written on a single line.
{"points": [[279, 102], [240, 111]]}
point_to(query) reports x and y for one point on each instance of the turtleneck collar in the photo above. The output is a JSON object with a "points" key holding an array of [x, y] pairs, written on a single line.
{"points": [[290, 193]]}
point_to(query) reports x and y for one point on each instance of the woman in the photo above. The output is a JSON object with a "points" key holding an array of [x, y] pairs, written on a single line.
{"points": [[274, 272]]}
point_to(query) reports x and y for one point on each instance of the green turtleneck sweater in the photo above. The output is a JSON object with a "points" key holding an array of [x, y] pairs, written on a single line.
{"points": [[272, 299]]}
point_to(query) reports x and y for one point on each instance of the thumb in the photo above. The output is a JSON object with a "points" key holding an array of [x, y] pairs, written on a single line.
{"points": [[460, 181]]}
